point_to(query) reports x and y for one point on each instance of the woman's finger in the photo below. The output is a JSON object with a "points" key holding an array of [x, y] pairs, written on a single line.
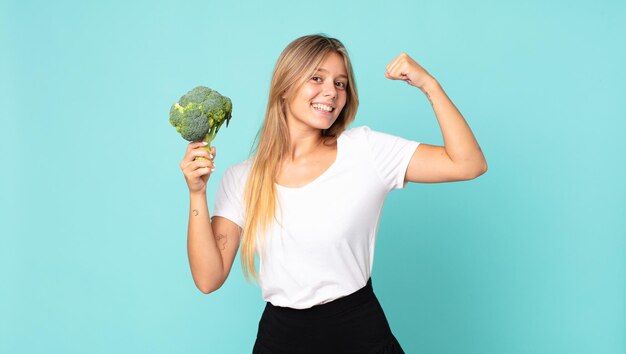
{"points": [[201, 172], [200, 163], [201, 169], [192, 154], [189, 167], [193, 146], [201, 152], [392, 63], [401, 69], [392, 68]]}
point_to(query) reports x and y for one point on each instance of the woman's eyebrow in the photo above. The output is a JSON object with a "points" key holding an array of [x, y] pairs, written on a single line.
{"points": [[326, 71]]}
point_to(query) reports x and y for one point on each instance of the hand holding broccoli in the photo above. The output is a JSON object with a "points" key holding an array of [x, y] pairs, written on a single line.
{"points": [[198, 116], [197, 166]]}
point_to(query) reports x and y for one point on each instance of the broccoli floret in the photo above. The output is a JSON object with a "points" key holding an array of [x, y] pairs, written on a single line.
{"points": [[200, 113]]}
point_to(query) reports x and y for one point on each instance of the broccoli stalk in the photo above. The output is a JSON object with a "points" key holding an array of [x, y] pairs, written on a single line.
{"points": [[210, 136], [200, 113]]}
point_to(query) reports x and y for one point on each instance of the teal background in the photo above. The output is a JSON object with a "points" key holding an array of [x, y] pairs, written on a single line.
{"points": [[528, 258]]}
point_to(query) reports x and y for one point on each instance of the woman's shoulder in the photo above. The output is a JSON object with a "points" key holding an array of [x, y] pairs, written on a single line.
{"points": [[243, 165], [373, 138], [362, 134], [239, 171], [360, 130], [356, 132]]}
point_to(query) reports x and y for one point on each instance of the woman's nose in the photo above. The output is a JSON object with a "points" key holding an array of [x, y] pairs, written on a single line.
{"points": [[330, 90]]}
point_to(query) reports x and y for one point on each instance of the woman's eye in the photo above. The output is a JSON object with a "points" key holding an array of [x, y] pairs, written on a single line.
{"points": [[341, 84], [316, 78]]}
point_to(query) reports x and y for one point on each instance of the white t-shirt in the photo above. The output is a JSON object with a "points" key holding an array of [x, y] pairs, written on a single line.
{"points": [[322, 247]]}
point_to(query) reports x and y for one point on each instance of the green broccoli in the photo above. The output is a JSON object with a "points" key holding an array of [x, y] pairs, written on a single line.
{"points": [[200, 113]]}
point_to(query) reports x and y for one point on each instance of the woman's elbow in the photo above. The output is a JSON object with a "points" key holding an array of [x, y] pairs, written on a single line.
{"points": [[474, 171], [479, 170], [205, 290], [208, 287]]}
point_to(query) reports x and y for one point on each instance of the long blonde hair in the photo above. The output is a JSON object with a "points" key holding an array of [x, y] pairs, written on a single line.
{"points": [[294, 67]]}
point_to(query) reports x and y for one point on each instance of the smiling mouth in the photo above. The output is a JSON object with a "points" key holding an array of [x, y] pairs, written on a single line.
{"points": [[323, 108]]}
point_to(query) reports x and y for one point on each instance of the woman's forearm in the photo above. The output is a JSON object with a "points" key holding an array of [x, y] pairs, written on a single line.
{"points": [[205, 259], [459, 141]]}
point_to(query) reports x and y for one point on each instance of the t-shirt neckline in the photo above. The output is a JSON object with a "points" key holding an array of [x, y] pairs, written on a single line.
{"points": [[318, 178]]}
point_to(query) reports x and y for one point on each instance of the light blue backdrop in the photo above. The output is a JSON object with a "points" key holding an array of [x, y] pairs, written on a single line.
{"points": [[528, 258]]}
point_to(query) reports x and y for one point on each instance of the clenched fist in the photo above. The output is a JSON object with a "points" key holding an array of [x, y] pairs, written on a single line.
{"points": [[403, 67], [197, 166]]}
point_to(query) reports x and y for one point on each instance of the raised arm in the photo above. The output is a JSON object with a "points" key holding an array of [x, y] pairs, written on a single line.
{"points": [[461, 157], [211, 246]]}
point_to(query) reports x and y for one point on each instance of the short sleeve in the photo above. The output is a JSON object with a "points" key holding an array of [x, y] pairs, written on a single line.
{"points": [[391, 155], [229, 196]]}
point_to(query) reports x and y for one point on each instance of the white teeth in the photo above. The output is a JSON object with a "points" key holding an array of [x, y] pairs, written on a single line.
{"points": [[323, 107]]}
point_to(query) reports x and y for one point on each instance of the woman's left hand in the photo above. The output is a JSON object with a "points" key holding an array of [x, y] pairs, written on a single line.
{"points": [[403, 67]]}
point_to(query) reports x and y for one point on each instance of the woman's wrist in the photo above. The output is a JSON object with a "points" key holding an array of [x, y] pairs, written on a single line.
{"points": [[430, 87], [197, 194]]}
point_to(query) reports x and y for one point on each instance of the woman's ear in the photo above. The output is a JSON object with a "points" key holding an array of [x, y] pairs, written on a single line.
{"points": [[286, 93]]}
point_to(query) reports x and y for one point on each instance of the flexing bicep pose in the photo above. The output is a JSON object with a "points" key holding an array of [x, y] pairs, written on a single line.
{"points": [[460, 158], [308, 201]]}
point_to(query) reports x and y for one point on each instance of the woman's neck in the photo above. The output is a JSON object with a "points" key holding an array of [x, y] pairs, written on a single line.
{"points": [[304, 143]]}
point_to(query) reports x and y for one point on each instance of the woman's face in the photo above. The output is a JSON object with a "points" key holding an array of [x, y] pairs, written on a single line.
{"points": [[319, 101]]}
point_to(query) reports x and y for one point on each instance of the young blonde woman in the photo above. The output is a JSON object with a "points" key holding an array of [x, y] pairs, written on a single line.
{"points": [[309, 201]]}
